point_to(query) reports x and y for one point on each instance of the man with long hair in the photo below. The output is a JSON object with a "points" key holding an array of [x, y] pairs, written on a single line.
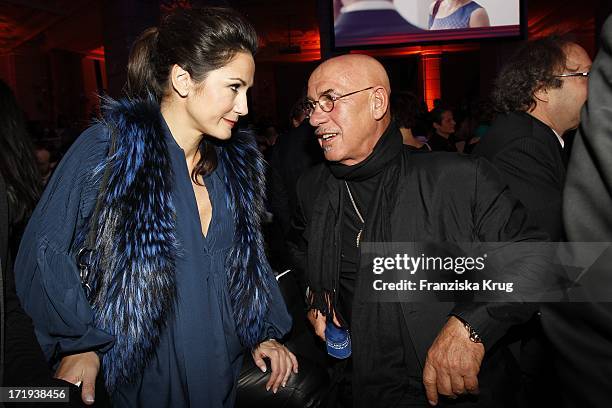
{"points": [[539, 94]]}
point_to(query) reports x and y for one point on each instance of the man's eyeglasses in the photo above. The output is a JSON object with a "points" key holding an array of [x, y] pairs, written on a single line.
{"points": [[326, 102], [574, 74]]}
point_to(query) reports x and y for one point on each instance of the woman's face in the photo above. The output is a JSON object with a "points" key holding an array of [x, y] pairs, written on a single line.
{"points": [[221, 98]]}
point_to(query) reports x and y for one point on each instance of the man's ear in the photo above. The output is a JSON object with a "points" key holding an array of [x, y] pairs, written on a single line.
{"points": [[181, 81], [380, 103], [541, 95]]}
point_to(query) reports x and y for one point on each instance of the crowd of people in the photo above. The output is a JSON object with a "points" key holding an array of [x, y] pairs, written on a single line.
{"points": [[178, 256]]}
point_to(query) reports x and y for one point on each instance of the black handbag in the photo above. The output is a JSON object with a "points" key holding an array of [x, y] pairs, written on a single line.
{"points": [[83, 256], [83, 261]]}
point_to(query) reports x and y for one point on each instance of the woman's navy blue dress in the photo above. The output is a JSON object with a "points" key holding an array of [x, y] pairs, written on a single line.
{"points": [[199, 356]]}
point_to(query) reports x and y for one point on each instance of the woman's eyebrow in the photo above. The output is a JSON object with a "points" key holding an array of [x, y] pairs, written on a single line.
{"points": [[239, 79]]}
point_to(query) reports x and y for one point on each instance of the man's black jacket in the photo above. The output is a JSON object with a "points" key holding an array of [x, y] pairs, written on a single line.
{"points": [[441, 197], [529, 158]]}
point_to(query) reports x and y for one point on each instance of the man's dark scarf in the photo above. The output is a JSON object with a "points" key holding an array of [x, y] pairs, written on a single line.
{"points": [[323, 255], [133, 266], [370, 322]]}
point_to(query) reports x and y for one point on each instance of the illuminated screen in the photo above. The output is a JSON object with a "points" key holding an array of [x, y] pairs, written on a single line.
{"points": [[388, 22]]}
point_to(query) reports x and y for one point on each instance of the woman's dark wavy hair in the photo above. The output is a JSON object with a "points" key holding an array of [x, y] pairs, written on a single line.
{"points": [[199, 40], [531, 68], [17, 163]]}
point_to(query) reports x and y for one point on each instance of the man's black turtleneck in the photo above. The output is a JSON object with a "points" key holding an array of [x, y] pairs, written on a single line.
{"points": [[363, 179]]}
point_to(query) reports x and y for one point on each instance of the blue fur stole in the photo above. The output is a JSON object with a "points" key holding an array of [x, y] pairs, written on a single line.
{"points": [[132, 268]]}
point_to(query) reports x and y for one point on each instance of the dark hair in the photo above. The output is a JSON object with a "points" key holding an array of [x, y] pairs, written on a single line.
{"points": [[404, 108], [17, 162], [199, 40], [435, 115], [531, 68]]}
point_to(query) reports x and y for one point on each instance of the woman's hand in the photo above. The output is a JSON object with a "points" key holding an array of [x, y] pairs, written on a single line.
{"points": [[283, 362], [82, 369]]}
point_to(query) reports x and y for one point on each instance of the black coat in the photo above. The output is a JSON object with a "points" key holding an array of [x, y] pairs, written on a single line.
{"points": [[582, 333], [529, 158], [441, 197]]}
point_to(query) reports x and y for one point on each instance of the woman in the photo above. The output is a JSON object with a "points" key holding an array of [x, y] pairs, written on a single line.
{"points": [[404, 106], [456, 14], [173, 266], [442, 130]]}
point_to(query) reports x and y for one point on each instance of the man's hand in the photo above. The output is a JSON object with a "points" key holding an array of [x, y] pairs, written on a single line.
{"points": [[319, 321], [453, 362], [283, 362], [81, 368]]}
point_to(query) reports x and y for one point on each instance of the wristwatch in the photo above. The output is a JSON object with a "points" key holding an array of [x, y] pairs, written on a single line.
{"points": [[474, 336]]}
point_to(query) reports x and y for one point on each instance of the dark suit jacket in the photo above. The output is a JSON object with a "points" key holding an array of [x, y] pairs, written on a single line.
{"points": [[366, 23], [531, 161], [582, 333], [529, 157]]}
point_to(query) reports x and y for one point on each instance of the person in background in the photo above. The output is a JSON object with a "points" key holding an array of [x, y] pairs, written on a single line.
{"points": [[404, 107], [457, 14], [476, 126], [581, 333], [43, 160], [470, 116], [539, 94], [270, 133], [23, 362], [160, 205], [442, 129], [296, 151]]}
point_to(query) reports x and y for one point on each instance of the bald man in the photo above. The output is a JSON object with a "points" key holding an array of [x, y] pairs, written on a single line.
{"points": [[373, 189]]}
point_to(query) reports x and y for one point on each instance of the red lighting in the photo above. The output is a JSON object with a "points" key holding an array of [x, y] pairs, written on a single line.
{"points": [[96, 53], [431, 78]]}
